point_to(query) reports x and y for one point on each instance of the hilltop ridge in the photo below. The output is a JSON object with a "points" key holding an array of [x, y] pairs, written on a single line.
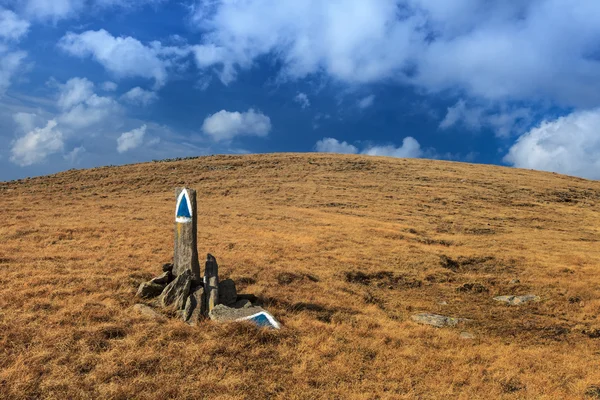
{"points": [[344, 250]]}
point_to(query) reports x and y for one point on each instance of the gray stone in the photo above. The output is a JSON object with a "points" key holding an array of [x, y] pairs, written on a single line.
{"points": [[211, 282], [227, 292], [163, 279], [176, 292], [148, 312], [195, 306], [148, 290], [436, 320], [467, 336], [186, 250], [222, 313], [517, 300]]}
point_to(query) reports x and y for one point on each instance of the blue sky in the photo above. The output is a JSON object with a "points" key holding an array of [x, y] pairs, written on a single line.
{"points": [[85, 83]]}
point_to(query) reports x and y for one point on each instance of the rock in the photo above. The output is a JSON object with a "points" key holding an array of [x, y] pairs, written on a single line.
{"points": [[257, 315], [222, 312], [163, 279], [195, 306], [436, 320], [185, 256], [514, 281], [227, 292], [467, 336], [146, 311], [243, 303], [168, 267], [443, 303], [516, 300], [211, 282], [176, 292], [148, 290]]}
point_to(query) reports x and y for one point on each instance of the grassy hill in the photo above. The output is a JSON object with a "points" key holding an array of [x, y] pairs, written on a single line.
{"points": [[342, 249]]}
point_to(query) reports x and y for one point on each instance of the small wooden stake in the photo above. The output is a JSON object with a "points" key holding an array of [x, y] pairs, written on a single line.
{"points": [[211, 282], [186, 222]]}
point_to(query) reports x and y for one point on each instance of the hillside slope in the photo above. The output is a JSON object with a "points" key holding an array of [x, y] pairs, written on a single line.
{"points": [[296, 230]]}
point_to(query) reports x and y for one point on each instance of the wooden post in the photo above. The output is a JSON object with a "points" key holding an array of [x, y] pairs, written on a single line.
{"points": [[211, 282], [186, 222]]}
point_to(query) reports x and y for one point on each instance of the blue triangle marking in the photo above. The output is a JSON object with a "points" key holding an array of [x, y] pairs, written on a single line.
{"points": [[183, 210], [261, 320]]}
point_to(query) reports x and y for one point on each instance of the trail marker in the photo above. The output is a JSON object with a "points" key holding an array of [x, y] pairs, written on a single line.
{"points": [[186, 225], [262, 319]]}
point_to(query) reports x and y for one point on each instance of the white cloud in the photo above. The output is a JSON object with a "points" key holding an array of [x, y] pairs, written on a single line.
{"points": [[568, 145], [11, 26], [139, 96], [26, 121], [504, 121], [226, 125], [131, 140], [37, 144], [122, 56], [410, 148], [75, 91], [75, 155], [56, 10], [92, 111], [501, 50], [331, 145], [52, 9], [109, 86], [302, 99], [10, 64], [366, 102]]}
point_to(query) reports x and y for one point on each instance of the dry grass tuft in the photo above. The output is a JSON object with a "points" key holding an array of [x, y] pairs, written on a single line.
{"points": [[342, 249]]}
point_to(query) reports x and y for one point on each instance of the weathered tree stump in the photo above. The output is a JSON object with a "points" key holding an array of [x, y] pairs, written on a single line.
{"points": [[186, 223], [211, 282]]}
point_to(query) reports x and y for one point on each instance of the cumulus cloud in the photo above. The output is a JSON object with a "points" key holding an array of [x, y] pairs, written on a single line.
{"points": [[35, 146], [504, 122], [122, 56], [131, 140], [494, 50], [10, 64], [27, 121], [140, 97], [81, 114], [366, 102], [410, 148], [109, 86], [56, 10], [11, 26], [12, 29], [302, 99], [76, 155], [226, 125], [92, 111], [568, 145], [331, 145], [74, 92]]}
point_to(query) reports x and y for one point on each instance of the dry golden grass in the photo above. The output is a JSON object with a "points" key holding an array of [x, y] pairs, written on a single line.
{"points": [[294, 229]]}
